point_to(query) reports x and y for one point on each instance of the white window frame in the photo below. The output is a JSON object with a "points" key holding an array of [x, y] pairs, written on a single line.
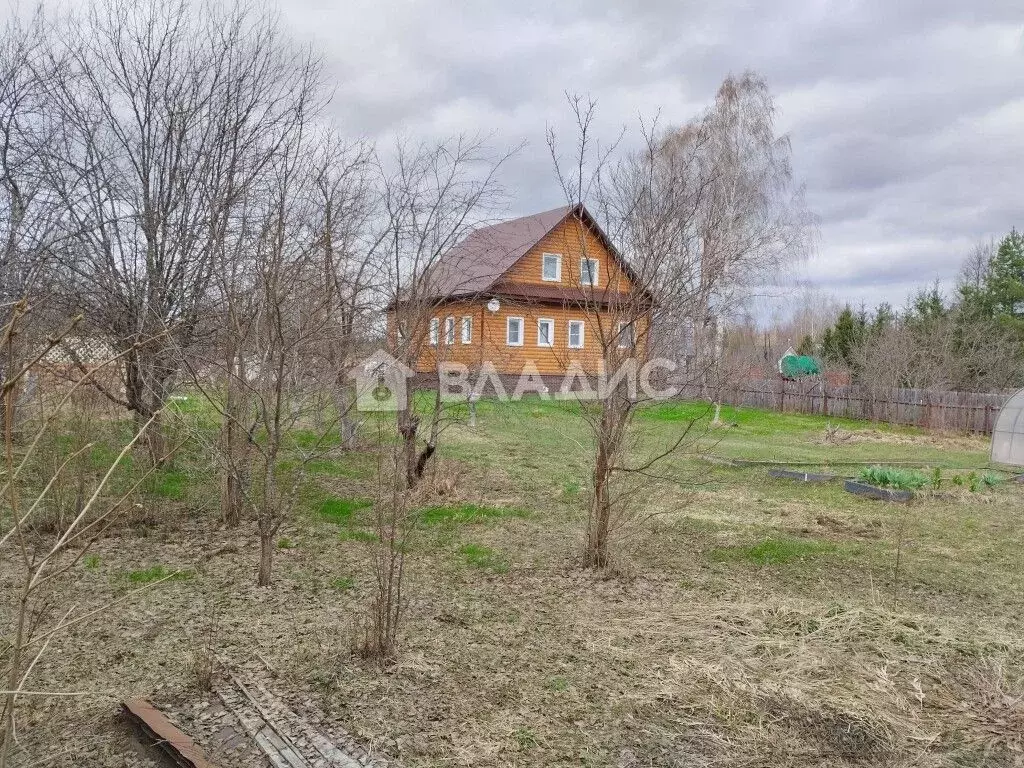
{"points": [[449, 330], [630, 337], [508, 327], [551, 332], [568, 334], [435, 327], [594, 273], [467, 329], [558, 267]]}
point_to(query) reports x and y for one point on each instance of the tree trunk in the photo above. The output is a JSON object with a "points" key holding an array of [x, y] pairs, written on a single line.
{"points": [[266, 559], [231, 500], [408, 424], [349, 423], [598, 547], [234, 450]]}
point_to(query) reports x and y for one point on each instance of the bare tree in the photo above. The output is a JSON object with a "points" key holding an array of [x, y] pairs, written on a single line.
{"points": [[29, 216], [643, 198], [282, 336], [750, 224], [432, 198], [977, 267], [169, 113], [39, 557], [957, 350], [346, 203]]}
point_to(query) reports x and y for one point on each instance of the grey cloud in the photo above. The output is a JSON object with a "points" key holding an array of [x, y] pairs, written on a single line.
{"points": [[906, 118]]}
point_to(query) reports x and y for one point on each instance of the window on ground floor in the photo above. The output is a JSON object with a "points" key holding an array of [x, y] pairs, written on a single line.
{"points": [[514, 332], [545, 332], [627, 337], [575, 334]]}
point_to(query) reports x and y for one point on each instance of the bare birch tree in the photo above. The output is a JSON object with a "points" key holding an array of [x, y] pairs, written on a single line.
{"points": [[751, 223]]}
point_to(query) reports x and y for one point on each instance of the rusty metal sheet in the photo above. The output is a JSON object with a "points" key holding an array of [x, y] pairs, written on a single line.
{"points": [[165, 735]]}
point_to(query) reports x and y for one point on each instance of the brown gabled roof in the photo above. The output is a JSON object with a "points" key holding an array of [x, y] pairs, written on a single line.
{"points": [[478, 261], [477, 265]]}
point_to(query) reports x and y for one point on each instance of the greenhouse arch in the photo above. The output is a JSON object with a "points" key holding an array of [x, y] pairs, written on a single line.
{"points": [[1008, 432]]}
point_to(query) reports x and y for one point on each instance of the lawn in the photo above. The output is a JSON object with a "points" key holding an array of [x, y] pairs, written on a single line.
{"points": [[747, 621]]}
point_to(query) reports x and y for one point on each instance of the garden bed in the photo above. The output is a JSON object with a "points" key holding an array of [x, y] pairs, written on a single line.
{"points": [[874, 492]]}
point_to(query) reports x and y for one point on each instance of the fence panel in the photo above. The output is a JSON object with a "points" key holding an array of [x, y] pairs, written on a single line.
{"points": [[931, 409]]}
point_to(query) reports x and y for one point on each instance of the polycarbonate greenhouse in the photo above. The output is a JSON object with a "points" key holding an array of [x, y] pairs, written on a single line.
{"points": [[1008, 433]]}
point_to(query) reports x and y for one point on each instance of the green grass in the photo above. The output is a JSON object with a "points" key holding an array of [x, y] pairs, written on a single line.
{"points": [[352, 465], [341, 510], [92, 561], [156, 573], [285, 543], [343, 583], [774, 551], [169, 484], [756, 420], [454, 514], [309, 439], [558, 684], [484, 558], [571, 490]]}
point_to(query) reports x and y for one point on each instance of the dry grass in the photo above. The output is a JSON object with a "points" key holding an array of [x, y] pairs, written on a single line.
{"points": [[680, 658]]}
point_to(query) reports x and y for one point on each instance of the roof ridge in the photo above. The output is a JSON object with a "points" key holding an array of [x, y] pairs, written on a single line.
{"points": [[518, 219]]}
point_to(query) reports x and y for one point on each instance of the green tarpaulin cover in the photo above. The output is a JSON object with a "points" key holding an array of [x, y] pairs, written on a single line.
{"points": [[795, 366]]}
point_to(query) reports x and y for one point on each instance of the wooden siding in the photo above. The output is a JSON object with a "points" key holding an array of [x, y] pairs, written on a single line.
{"points": [[489, 342], [572, 241]]}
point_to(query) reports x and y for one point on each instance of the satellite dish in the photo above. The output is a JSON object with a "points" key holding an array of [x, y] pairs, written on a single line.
{"points": [[493, 305]]}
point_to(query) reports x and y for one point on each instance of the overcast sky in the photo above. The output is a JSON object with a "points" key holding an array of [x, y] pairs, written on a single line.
{"points": [[906, 116]]}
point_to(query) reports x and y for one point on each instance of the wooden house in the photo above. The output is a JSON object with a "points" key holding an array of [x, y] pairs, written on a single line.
{"points": [[542, 290]]}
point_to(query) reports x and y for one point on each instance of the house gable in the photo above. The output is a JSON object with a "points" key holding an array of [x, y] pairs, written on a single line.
{"points": [[572, 239]]}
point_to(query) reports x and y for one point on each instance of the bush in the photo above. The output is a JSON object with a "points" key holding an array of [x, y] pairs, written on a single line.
{"points": [[893, 477]]}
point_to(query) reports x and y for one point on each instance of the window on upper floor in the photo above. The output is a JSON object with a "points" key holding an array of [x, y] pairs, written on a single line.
{"points": [[449, 330], [551, 267], [467, 330], [589, 269], [434, 323]]}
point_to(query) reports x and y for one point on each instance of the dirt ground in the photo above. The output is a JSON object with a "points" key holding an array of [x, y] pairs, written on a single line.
{"points": [[749, 621]]}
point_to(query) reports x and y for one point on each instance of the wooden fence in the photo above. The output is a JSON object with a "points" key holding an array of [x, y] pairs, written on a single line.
{"points": [[948, 411]]}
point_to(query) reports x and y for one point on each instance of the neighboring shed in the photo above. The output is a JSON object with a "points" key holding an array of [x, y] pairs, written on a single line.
{"points": [[794, 366]]}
